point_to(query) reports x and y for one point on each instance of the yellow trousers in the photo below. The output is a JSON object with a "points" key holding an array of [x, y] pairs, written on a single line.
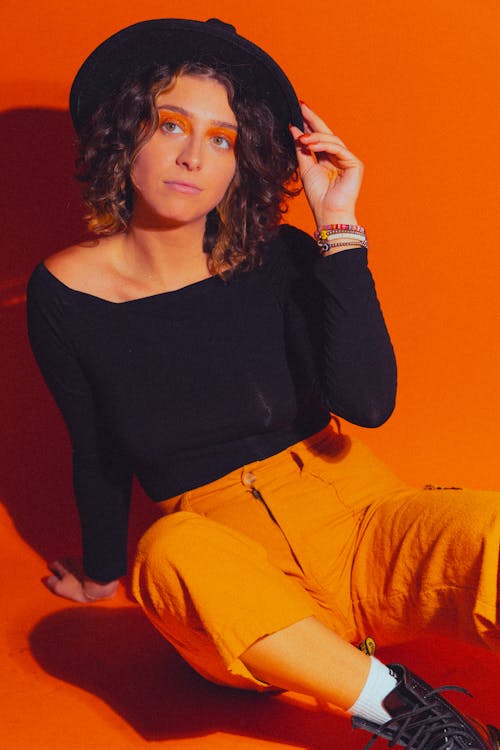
{"points": [[324, 529]]}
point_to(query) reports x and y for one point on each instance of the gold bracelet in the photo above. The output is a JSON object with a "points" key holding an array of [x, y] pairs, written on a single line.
{"points": [[327, 247], [89, 597]]}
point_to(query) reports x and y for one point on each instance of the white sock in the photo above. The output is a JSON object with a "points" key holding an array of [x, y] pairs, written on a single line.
{"points": [[378, 685]]}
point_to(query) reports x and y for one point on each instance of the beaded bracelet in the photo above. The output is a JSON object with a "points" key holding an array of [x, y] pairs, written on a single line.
{"points": [[332, 232], [343, 236], [345, 239], [331, 236], [326, 247], [344, 244], [354, 227], [326, 229]]}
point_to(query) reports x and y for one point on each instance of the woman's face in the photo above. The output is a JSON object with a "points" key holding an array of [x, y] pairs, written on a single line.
{"points": [[185, 168]]}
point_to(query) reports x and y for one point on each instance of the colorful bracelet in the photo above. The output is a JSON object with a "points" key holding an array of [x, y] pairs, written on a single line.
{"points": [[325, 229], [331, 232], [331, 237]]}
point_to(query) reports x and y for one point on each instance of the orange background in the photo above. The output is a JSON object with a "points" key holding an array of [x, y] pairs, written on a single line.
{"points": [[412, 87]]}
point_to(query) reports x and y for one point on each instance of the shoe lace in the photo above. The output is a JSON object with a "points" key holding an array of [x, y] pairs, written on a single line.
{"points": [[426, 727]]}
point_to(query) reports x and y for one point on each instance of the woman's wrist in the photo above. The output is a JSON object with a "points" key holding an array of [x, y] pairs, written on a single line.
{"points": [[333, 238], [93, 590], [336, 217]]}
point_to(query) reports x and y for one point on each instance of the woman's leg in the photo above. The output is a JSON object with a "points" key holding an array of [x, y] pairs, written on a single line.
{"points": [[406, 560], [309, 658], [428, 561], [236, 618], [389, 702], [240, 621], [212, 592]]}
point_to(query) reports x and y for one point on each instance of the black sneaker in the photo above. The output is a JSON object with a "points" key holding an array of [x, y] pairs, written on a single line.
{"points": [[423, 720]]}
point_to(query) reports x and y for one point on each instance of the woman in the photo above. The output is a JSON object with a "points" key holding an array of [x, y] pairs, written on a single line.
{"points": [[203, 347]]}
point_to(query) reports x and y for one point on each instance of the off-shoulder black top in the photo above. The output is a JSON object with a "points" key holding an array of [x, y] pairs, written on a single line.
{"points": [[181, 387]]}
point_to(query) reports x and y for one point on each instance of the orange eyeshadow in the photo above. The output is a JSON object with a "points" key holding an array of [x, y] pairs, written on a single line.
{"points": [[225, 133], [166, 116]]}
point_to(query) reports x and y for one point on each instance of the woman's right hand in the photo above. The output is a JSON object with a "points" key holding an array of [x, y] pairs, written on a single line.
{"points": [[69, 582]]}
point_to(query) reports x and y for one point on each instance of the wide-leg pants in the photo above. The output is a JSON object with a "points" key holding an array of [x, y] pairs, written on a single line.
{"points": [[321, 529]]}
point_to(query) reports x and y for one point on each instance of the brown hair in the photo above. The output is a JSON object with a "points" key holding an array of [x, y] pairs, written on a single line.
{"points": [[252, 208]]}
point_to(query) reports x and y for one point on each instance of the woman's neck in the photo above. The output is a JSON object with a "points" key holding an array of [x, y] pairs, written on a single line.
{"points": [[165, 256]]}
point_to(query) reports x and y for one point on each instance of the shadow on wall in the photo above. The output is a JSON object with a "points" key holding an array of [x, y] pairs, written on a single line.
{"points": [[41, 212]]}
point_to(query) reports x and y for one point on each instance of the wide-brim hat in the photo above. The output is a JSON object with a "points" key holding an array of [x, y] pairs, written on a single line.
{"points": [[174, 41]]}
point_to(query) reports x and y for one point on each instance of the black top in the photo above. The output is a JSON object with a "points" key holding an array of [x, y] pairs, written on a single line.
{"points": [[182, 387]]}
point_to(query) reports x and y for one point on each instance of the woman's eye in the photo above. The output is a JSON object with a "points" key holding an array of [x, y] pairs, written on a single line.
{"points": [[170, 126], [221, 141]]}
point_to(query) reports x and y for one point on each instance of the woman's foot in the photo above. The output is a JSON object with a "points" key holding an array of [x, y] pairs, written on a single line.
{"points": [[423, 720]]}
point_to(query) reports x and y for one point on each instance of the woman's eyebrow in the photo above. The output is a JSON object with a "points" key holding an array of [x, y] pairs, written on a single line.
{"points": [[182, 111]]}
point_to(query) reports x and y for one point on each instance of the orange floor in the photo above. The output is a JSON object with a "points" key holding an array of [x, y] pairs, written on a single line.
{"points": [[98, 677]]}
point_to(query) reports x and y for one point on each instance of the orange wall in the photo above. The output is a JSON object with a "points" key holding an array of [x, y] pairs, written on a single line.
{"points": [[411, 87]]}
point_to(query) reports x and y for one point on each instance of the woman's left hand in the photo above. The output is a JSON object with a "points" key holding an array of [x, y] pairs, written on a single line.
{"points": [[69, 581], [331, 174]]}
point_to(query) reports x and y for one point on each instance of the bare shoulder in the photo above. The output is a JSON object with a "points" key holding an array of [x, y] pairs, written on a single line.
{"points": [[87, 267]]}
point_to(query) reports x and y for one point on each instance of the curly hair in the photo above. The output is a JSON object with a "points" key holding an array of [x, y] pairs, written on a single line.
{"points": [[249, 214]]}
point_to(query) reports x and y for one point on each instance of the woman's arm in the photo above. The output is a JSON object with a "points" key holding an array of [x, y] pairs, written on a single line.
{"points": [[331, 307], [102, 481], [359, 367], [356, 359]]}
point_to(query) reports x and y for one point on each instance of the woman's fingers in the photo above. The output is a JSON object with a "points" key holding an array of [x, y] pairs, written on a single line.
{"points": [[316, 136], [312, 120], [330, 147], [59, 570], [50, 582], [68, 587], [331, 174], [326, 151], [73, 565], [305, 156], [63, 582], [68, 580]]}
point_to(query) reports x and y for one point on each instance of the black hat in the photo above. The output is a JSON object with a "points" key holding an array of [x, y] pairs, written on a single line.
{"points": [[176, 40]]}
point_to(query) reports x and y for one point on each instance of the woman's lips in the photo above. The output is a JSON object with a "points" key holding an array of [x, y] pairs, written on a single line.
{"points": [[183, 187]]}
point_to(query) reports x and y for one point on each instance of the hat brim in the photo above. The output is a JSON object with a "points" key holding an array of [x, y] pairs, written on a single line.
{"points": [[174, 41]]}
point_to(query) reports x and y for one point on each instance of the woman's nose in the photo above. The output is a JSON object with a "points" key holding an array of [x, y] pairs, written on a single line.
{"points": [[190, 155]]}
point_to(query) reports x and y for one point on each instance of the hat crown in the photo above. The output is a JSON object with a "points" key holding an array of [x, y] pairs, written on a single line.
{"points": [[174, 41], [221, 25]]}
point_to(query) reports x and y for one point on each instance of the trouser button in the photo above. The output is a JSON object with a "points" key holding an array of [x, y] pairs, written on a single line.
{"points": [[248, 478]]}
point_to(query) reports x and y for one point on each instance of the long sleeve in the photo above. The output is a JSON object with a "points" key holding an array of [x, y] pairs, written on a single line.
{"points": [[181, 387], [101, 479], [354, 356]]}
